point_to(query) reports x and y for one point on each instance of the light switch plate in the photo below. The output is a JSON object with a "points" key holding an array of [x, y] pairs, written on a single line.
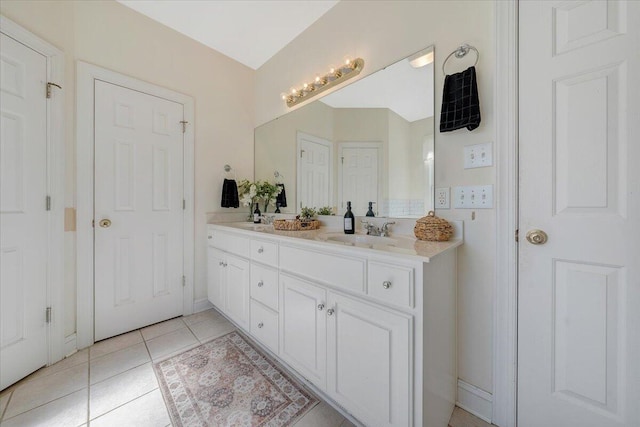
{"points": [[442, 198], [473, 197], [478, 155]]}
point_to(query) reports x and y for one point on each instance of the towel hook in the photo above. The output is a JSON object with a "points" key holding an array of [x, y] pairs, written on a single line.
{"points": [[227, 168], [459, 53]]}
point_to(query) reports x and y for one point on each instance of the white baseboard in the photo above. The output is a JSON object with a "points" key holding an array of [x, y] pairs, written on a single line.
{"points": [[201, 305], [70, 345], [475, 401]]}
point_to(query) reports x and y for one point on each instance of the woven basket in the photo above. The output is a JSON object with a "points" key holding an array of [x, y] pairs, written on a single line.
{"points": [[295, 224], [432, 228]]}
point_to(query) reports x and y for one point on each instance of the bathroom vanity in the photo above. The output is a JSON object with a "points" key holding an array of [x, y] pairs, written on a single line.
{"points": [[368, 322]]}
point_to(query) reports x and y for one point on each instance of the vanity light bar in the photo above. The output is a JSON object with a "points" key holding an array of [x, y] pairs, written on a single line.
{"points": [[351, 68]]}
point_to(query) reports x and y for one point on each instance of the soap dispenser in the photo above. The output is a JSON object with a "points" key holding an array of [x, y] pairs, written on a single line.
{"points": [[370, 211]]}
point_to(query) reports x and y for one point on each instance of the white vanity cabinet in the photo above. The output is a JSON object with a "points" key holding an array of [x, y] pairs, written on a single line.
{"points": [[372, 331]]}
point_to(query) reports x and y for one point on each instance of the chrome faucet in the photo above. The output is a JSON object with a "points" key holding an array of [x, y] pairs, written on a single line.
{"points": [[374, 230]]}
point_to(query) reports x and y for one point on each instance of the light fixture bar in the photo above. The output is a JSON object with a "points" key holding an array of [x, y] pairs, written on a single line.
{"points": [[322, 83]]}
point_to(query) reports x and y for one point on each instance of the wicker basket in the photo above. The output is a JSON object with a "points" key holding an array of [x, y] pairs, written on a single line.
{"points": [[296, 224], [432, 228]]}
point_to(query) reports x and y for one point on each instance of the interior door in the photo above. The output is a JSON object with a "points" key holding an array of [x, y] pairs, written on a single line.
{"points": [[138, 209], [579, 292], [359, 178], [314, 172], [23, 211]]}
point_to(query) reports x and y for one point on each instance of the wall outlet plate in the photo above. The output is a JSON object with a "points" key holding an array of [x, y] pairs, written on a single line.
{"points": [[478, 155], [473, 197], [442, 198]]}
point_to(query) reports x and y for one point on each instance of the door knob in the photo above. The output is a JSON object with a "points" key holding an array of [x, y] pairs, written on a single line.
{"points": [[537, 237], [105, 223]]}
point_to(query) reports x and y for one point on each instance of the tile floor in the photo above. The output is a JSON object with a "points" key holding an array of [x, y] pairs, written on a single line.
{"points": [[112, 383]]}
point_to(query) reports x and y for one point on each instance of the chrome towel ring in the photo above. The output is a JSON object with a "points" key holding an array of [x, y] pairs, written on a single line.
{"points": [[461, 52]]}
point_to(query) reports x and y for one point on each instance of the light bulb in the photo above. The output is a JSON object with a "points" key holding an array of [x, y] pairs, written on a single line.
{"points": [[293, 91]]}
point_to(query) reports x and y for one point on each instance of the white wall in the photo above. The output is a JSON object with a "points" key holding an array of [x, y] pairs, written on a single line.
{"points": [[113, 36], [383, 32]]}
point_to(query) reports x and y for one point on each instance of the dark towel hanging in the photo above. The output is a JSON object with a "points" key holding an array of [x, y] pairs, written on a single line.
{"points": [[230, 197], [282, 197], [460, 102]]}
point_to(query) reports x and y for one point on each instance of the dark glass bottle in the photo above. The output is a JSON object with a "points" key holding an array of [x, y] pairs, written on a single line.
{"points": [[256, 214], [277, 207], [349, 221], [370, 211]]}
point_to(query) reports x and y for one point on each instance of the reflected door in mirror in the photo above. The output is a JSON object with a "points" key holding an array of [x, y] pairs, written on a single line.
{"points": [[314, 171], [359, 177]]}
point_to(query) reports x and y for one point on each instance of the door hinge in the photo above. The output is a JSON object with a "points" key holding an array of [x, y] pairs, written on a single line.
{"points": [[184, 204], [184, 126], [93, 223], [517, 235], [49, 84], [184, 281], [342, 160], [48, 203], [48, 314]]}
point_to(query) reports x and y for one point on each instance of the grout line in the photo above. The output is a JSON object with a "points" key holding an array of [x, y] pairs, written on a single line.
{"points": [[126, 403], [89, 385], [39, 406], [4, 411]]}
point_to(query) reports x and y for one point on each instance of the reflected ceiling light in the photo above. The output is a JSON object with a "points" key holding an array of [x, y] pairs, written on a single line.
{"points": [[422, 58], [350, 68]]}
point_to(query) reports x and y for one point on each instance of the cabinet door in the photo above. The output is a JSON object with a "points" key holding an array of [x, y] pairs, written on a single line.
{"points": [[369, 361], [303, 338], [215, 277], [236, 290]]}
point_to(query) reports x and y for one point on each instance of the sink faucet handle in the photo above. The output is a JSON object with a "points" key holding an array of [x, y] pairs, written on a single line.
{"points": [[384, 231]]}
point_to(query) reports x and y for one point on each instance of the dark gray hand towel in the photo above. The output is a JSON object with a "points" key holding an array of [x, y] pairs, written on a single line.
{"points": [[460, 103], [230, 197], [282, 197]]}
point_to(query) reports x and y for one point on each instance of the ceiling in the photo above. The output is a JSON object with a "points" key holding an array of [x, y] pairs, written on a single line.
{"points": [[248, 31]]}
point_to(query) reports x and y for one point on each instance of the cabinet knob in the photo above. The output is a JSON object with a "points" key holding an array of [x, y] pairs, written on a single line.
{"points": [[260, 283], [221, 263], [224, 264], [320, 307], [386, 284], [260, 325], [330, 312], [260, 250]]}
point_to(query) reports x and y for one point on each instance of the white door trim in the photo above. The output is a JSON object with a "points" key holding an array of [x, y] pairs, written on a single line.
{"points": [[317, 140], [377, 145], [86, 74], [506, 292], [55, 182]]}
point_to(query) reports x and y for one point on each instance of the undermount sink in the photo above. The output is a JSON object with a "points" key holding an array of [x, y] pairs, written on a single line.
{"points": [[395, 243], [256, 227]]}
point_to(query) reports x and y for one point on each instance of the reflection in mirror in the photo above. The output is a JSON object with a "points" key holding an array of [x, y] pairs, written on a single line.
{"points": [[371, 141]]}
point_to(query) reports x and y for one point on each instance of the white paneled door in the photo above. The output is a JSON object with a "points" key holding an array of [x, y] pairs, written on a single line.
{"points": [[314, 171], [23, 211], [138, 205], [359, 176], [579, 292]]}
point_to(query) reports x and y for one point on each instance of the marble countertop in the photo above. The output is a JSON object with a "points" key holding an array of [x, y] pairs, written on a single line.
{"points": [[396, 245]]}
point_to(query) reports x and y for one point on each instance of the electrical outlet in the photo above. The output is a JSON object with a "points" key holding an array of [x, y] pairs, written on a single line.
{"points": [[478, 156], [473, 197], [442, 198]]}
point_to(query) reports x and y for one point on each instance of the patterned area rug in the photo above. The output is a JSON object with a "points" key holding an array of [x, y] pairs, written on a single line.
{"points": [[229, 382]]}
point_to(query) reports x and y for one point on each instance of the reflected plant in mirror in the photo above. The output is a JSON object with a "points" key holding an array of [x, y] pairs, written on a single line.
{"points": [[369, 141]]}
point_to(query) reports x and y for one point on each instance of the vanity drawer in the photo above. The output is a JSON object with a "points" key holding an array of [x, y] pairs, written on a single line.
{"points": [[390, 283], [264, 325], [264, 252], [264, 285], [336, 270], [232, 243]]}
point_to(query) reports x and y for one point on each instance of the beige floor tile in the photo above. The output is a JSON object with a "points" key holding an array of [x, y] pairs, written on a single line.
{"points": [[70, 410], [209, 329], [201, 316], [123, 388], [347, 423], [147, 410], [461, 418], [75, 359], [114, 344], [4, 399], [39, 391], [117, 362], [162, 328], [323, 415], [170, 343]]}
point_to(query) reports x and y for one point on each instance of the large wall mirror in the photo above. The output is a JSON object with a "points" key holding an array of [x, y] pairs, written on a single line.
{"points": [[370, 141]]}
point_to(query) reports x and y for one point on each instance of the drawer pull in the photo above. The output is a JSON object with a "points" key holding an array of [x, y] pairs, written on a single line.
{"points": [[320, 307], [260, 325], [260, 284], [330, 312], [386, 284], [221, 263], [260, 249]]}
